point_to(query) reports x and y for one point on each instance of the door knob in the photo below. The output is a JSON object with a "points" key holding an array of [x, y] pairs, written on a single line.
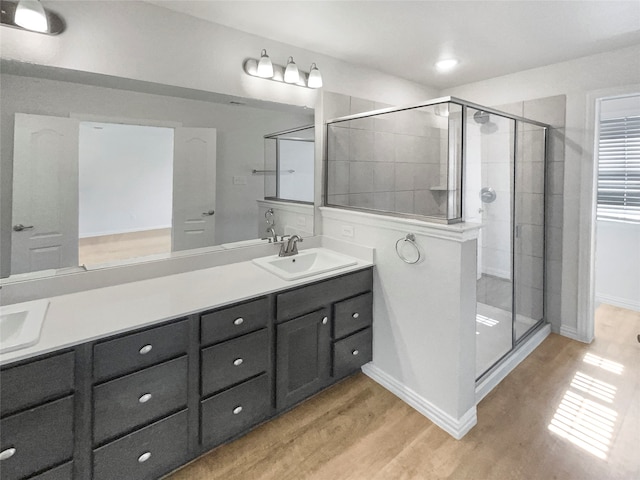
{"points": [[209, 213], [19, 227]]}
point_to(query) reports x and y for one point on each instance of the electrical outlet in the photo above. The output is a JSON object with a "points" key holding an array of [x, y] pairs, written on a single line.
{"points": [[240, 180], [347, 231]]}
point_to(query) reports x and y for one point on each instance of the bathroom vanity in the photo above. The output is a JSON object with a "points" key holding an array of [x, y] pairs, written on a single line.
{"points": [[149, 396]]}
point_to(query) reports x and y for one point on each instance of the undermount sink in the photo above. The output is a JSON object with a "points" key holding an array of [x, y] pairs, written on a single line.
{"points": [[20, 324], [304, 264]]}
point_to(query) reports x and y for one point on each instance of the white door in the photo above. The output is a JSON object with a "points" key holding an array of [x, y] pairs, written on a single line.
{"points": [[45, 193], [194, 188]]}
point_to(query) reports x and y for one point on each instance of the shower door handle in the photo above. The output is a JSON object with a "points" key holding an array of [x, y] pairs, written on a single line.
{"points": [[19, 227]]}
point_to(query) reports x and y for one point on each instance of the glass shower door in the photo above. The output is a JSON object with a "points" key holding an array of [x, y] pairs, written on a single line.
{"points": [[489, 174]]}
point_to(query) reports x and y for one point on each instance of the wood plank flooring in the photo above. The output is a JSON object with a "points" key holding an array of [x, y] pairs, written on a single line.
{"points": [[359, 431], [123, 246]]}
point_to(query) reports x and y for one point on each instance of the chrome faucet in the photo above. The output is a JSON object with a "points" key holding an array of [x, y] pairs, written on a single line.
{"points": [[273, 236], [291, 247]]}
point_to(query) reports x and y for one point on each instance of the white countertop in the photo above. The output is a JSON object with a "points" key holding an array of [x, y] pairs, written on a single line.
{"points": [[86, 316]]}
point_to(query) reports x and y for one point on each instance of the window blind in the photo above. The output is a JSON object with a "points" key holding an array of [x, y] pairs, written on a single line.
{"points": [[619, 169]]}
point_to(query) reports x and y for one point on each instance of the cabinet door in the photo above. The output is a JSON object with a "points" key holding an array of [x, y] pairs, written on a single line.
{"points": [[303, 357]]}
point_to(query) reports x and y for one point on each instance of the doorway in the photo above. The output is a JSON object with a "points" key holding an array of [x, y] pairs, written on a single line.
{"points": [[617, 222], [125, 191]]}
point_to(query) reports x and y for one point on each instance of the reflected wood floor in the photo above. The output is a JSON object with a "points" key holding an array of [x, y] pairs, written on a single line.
{"points": [[123, 246], [359, 431]]}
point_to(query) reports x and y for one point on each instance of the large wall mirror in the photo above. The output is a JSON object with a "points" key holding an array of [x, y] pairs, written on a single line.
{"points": [[98, 171]]}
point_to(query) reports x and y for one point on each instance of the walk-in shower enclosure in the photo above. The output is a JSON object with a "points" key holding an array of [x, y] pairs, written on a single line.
{"points": [[447, 161]]}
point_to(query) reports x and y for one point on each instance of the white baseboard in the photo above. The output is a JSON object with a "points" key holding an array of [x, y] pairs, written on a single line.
{"points": [[627, 303], [511, 362], [570, 332], [456, 427]]}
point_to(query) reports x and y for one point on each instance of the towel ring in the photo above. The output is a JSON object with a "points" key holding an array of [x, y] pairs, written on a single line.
{"points": [[410, 238]]}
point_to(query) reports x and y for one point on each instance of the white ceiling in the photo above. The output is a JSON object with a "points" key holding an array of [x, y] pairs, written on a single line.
{"points": [[490, 38]]}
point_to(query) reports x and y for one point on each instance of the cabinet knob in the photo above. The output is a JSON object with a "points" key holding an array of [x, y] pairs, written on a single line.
{"points": [[237, 362], [355, 315], [7, 454], [238, 321], [325, 320], [146, 349], [145, 398], [355, 352], [237, 410], [144, 457]]}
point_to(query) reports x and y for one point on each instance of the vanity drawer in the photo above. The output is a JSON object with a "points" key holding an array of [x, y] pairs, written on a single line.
{"points": [[307, 299], [139, 350], [42, 437], [63, 472], [233, 321], [235, 410], [145, 454], [350, 353], [128, 402], [36, 382], [352, 315], [233, 361]]}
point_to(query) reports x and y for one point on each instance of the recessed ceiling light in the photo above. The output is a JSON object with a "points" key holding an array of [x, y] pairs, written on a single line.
{"points": [[447, 64]]}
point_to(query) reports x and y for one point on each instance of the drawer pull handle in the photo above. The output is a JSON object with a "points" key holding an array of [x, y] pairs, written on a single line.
{"points": [[238, 321], [355, 352], [355, 315], [145, 398], [146, 349], [325, 320], [237, 362], [237, 410], [144, 457], [7, 454]]}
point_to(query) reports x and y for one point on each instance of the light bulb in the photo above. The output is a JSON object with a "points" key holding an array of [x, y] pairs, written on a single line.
{"points": [[265, 67], [291, 73], [315, 79], [30, 15]]}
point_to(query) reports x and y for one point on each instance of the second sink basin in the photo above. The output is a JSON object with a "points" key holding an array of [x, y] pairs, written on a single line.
{"points": [[305, 264], [20, 324]]}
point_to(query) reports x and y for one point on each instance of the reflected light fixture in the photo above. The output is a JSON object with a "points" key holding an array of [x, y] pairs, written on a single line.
{"points": [[30, 15], [291, 73], [265, 67], [446, 64], [315, 79]]}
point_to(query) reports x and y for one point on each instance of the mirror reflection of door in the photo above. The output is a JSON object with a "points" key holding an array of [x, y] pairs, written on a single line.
{"points": [[194, 192], [45, 192], [119, 191]]}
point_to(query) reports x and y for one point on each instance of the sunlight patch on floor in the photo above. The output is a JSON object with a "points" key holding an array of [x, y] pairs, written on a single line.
{"points": [[608, 365]]}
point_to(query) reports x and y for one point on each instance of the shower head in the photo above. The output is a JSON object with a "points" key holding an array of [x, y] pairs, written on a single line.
{"points": [[481, 117]]}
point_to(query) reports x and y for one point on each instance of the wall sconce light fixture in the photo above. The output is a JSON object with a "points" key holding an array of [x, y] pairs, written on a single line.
{"points": [[291, 73], [264, 68], [32, 16]]}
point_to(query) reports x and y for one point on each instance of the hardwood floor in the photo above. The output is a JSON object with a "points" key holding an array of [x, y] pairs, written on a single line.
{"points": [[123, 246], [359, 431]]}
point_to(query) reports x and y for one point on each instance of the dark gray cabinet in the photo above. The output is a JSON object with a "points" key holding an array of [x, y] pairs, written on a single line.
{"points": [[303, 357], [139, 404], [37, 421], [316, 324], [145, 454], [126, 403]]}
